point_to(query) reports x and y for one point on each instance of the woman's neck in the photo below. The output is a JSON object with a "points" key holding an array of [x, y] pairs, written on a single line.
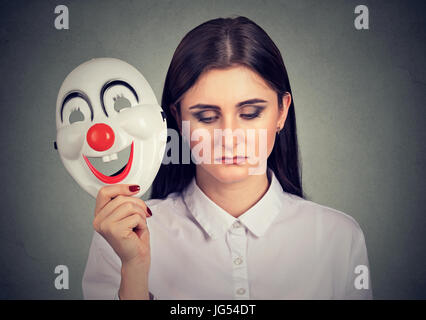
{"points": [[248, 191]]}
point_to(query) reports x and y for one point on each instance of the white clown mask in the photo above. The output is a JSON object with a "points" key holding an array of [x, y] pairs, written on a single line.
{"points": [[110, 128]]}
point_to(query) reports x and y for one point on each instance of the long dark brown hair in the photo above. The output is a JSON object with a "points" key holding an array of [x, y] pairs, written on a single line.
{"points": [[222, 43]]}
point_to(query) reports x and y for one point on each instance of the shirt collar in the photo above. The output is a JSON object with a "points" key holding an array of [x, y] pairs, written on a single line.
{"points": [[216, 221]]}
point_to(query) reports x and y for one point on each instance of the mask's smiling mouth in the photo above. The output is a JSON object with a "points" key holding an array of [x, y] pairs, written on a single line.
{"points": [[111, 168]]}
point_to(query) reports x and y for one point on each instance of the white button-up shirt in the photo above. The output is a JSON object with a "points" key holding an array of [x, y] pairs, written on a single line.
{"points": [[283, 247]]}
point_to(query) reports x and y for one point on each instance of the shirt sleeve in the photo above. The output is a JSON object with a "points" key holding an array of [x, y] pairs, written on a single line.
{"points": [[102, 275], [358, 284]]}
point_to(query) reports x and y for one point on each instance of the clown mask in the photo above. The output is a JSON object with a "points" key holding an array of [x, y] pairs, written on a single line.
{"points": [[110, 128]]}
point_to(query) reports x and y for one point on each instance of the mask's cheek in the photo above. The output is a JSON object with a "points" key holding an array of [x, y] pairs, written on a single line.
{"points": [[70, 140], [141, 122]]}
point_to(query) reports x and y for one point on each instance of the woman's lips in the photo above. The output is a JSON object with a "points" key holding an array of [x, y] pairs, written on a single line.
{"points": [[234, 160]]}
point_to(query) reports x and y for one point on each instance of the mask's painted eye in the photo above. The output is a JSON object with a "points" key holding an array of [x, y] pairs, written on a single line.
{"points": [[121, 102], [118, 98], [76, 115], [75, 110]]}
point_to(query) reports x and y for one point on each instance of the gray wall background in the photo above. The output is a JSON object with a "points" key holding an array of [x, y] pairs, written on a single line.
{"points": [[359, 98]]}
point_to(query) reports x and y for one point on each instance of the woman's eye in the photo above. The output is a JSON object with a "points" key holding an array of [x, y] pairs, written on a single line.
{"points": [[210, 117], [250, 115], [207, 120], [255, 112], [206, 117]]}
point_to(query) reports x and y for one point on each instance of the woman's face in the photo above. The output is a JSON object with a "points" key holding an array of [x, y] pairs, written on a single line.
{"points": [[238, 100]]}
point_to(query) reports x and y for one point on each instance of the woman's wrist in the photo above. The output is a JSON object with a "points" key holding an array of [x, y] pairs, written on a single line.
{"points": [[134, 282]]}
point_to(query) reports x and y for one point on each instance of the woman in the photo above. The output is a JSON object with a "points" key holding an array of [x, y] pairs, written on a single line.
{"points": [[237, 228]]}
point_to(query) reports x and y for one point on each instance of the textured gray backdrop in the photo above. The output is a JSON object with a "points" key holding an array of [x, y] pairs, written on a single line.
{"points": [[359, 98]]}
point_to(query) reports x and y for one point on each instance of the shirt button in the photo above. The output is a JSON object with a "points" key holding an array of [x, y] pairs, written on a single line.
{"points": [[241, 291], [236, 224], [238, 260]]}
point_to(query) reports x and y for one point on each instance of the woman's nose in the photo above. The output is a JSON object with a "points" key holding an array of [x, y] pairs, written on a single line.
{"points": [[231, 133], [100, 137], [229, 123]]}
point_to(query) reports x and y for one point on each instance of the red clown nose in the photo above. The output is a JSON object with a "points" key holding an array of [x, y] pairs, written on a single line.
{"points": [[100, 137]]}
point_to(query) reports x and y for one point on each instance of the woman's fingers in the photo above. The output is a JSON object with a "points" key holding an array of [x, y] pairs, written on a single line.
{"points": [[134, 223], [135, 227], [107, 193], [124, 210], [118, 201]]}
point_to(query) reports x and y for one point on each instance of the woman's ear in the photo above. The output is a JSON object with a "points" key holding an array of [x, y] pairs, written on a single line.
{"points": [[176, 115], [286, 102]]}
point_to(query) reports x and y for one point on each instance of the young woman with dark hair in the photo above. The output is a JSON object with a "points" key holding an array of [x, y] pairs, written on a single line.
{"points": [[220, 229]]}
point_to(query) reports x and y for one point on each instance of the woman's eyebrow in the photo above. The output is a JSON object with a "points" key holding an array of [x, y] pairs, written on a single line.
{"points": [[239, 104], [250, 101]]}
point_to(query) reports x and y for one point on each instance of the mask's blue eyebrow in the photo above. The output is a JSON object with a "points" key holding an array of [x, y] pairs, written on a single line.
{"points": [[238, 105]]}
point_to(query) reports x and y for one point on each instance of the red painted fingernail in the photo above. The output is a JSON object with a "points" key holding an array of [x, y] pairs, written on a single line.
{"points": [[134, 188], [149, 211]]}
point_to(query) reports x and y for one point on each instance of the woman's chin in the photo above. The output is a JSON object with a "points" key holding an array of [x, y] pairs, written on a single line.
{"points": [[229, 172]]}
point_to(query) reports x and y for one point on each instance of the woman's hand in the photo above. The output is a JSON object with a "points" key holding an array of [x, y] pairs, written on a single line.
{"points": [[121, 220]]}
